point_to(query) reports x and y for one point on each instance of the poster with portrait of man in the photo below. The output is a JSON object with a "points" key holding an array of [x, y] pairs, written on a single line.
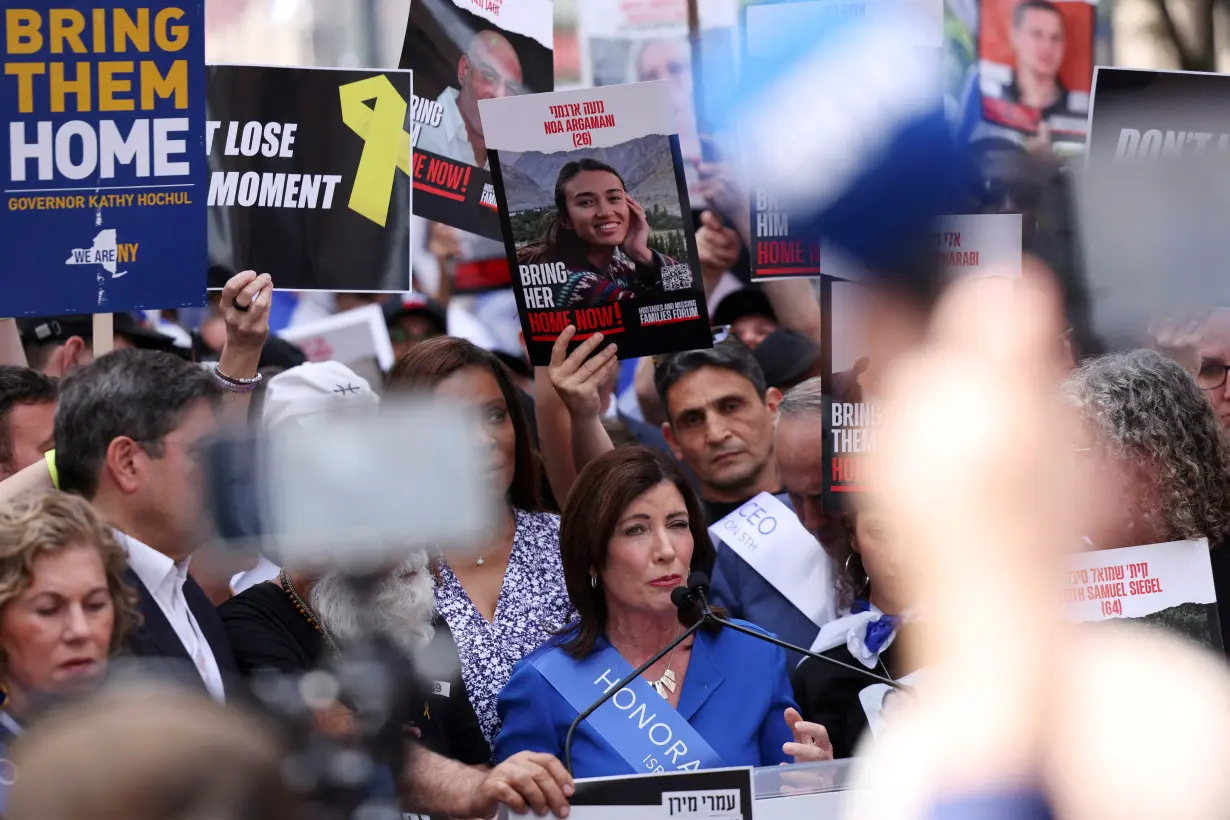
{"points": [[596, 219], [462, 52], [637, 41], [1036, 65]]}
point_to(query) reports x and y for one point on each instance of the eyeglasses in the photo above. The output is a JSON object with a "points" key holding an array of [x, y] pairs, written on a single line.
{"points": [[1212, 374]]}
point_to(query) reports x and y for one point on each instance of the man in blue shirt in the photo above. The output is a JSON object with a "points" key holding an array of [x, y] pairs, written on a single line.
{"points": [[720, 419]]}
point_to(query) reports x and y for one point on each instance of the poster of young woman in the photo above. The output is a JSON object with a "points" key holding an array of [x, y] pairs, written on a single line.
{"points": [[464, 51], [594, 207], [1036, 65]]}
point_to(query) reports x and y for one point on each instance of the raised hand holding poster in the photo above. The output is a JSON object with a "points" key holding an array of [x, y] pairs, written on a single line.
{"points": [[104, 155], [595, 210]]}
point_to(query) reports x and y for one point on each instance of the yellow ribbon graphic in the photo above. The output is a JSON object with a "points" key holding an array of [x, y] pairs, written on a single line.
{"points": [[386, 145]]}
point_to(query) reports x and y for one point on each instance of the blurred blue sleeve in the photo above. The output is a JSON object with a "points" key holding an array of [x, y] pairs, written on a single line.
{"points": [[1019, 805]]}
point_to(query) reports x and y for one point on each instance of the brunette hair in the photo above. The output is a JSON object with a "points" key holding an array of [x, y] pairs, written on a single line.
{"points": [[557, 239], [428, 363], [217, 762], [50, 521], [598, 499]]}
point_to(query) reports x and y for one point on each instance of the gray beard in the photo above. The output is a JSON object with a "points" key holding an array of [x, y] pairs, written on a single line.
{"points": [[402, 609]]}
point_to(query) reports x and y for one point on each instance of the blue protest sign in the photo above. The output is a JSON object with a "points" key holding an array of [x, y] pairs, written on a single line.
{"points": [[104, 158]]}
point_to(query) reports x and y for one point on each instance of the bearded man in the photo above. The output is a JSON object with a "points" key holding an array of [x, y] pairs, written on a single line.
{"points": [[294, 623]]}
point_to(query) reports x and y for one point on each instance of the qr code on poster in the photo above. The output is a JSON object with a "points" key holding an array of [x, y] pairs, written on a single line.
{"points": [[676, 277]]}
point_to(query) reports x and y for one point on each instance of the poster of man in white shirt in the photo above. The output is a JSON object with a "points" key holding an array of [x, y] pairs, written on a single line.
{"points": [[489, 69], [468, 51]]}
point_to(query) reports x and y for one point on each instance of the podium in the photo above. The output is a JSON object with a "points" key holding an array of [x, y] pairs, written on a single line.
{"points": [[808, 791], [805, 790]]}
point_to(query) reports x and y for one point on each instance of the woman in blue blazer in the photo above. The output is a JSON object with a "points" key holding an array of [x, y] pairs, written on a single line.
{"points": [[630, 533]]}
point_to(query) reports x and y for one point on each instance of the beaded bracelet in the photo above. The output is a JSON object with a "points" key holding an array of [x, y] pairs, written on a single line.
{"points": [[236, 384]]}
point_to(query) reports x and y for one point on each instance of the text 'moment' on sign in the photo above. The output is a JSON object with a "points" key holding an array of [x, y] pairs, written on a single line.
{"points": [[104, 157], [310, 177], [598, 228]]}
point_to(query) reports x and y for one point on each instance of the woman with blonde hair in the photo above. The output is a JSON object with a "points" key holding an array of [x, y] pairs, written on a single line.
{"points": [[64, 607]]}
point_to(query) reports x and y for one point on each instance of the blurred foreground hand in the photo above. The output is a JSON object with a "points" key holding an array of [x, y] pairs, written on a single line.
{"points": [[1109, 720]]}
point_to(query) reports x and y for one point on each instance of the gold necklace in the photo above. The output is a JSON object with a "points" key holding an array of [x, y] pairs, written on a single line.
{"points": [[306, 611]]}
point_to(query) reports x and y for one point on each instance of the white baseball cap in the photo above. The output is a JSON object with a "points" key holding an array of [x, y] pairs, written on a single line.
{"points": [[316, 389]]}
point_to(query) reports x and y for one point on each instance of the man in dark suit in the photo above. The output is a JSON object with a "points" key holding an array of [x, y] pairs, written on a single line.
{"points": [[129, 430]]}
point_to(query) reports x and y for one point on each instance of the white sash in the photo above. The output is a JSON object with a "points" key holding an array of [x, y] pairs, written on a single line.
{"points": [[767, 534]]}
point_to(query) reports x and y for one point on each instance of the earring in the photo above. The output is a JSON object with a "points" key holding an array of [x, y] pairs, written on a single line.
{"points": [[860, 587], [593, 581]]}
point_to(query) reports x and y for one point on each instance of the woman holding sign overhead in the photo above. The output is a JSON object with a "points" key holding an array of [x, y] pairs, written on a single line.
{"points": [[630, 534], [596, 248]]}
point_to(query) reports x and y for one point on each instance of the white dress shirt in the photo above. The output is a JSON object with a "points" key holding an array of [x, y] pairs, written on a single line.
{"points": [[165, 579], [449, 139], [265, 570]]}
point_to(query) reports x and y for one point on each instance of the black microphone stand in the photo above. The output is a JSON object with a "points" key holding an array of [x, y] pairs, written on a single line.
{"points": [[707, 614], [681, 602]]}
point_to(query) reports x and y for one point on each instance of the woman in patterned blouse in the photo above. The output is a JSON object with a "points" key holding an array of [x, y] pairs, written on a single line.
{"points": [[504, 601]]}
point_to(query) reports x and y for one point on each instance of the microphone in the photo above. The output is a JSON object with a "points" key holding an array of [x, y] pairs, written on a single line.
{"points": [[681, 597], [698, 591]]}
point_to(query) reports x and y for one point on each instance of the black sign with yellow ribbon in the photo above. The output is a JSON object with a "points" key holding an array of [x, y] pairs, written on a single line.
{"points": [[309, 176]]}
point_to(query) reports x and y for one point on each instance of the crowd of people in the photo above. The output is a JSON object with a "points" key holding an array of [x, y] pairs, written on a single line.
{"points": [[107, 566]]}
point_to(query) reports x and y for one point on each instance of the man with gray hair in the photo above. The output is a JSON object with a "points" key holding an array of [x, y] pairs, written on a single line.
{"points": [[802, 425], [131, 427]]}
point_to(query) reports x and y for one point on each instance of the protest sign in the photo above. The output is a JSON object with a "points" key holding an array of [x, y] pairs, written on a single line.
{"points": [[835, 166], [635, 41], [309, 177], [357, 338], [464, 51], [1157, 152], [1168, 585], [713, 794], [965, 245], [1036, 64], [851, 440], [596, 219], [104, 151], [979, 245]]}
